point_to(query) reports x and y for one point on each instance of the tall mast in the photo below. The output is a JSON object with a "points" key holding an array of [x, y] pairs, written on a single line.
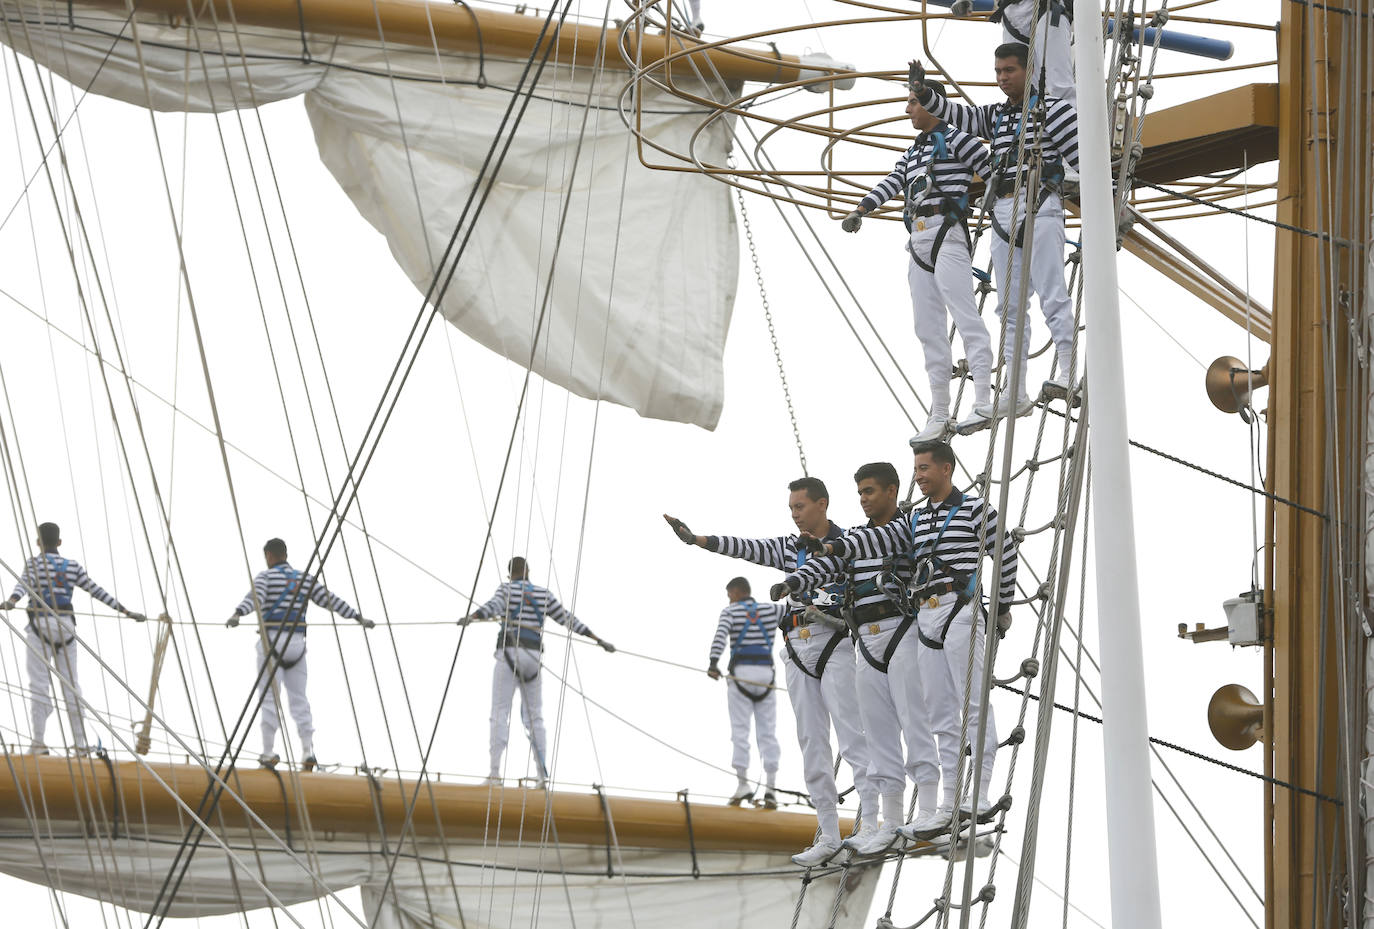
{"points": [[1318, 401], [1132, 866]]}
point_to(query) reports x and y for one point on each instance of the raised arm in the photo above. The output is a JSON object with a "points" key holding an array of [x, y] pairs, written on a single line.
{"points": [[893, 538], [975, 119]]}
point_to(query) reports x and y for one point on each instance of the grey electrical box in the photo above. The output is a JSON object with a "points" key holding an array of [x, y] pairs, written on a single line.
{"points": [[1243, 618]]}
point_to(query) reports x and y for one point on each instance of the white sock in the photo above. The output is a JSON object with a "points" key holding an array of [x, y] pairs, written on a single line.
{"points": [[893, 812], [772, 777], [1064, 364], [830, 826], [925, 796], [982, 389], [743, 775], [939, 402], [868, 809]]}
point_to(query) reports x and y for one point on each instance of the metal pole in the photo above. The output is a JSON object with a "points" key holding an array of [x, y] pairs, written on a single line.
{"points": [[1132, 865]]}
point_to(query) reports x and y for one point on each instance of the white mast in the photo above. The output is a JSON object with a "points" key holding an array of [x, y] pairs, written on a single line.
{"points": [[1132, 864]]}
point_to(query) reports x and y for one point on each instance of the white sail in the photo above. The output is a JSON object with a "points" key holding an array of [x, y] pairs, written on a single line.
{"points": [[645, 274]]}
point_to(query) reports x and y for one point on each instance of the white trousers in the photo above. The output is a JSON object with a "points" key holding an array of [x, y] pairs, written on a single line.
{"points": [[1053, 46], [1046, 279], [42, 649], [817, 704], [290, 649], [763, 713], [938, 295], [943, 674], [517, 669], [893, 707]]}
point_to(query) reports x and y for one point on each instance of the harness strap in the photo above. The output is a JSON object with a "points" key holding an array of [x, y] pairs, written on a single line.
{"points": [[1004, 235], [821, 661], [510, 663], [761, 697], [285, 665], [951, 220], [881, 665], [51, 644]]}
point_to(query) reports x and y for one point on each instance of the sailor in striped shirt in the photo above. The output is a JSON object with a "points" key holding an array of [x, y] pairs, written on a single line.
{"points": [[891, 700], [1051, 23], [819, 668], [1058, 143], [933, 176], [947, 539], [521, 608], [279, 596], [49, 580], [747, 627]]}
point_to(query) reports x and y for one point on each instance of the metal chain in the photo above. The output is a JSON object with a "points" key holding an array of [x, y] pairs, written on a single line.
{"points": [[772, 335]]}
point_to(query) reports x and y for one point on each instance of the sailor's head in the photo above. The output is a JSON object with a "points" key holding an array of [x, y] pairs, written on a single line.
{"points": [[519, 569], [934, 469], [1009, 62], [49, 537], [921, 118], [878, 486], [809, 502], [737, 589], [275, 552]]}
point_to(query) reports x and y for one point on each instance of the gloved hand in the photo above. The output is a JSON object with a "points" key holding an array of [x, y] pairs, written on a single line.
{"points": [[606, 645], [680, 530], [465, 620], [233, 621], [136, 617], [713, 672], [813, 545], [7, 604], [916, 77], [852, 221], [1003, 624], [367, 623], [961, 8], [778, 591]]}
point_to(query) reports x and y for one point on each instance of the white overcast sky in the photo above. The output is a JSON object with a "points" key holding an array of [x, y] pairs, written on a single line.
{"points": [[586, 486]]}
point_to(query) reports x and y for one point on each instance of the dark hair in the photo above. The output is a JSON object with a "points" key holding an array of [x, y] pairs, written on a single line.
{"points": [[814, 487], [1015, 50], [938, 451], [49, 535], [738, 583], [880, 471], [518, 567], [275, 547]]}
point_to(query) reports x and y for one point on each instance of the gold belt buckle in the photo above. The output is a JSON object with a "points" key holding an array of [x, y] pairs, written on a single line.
{"points": [[920, 225], [874, 629], [933, 602], [804, 634]]}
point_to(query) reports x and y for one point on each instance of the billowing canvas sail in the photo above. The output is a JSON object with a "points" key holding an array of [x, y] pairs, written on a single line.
{"points": [[644, 272]]}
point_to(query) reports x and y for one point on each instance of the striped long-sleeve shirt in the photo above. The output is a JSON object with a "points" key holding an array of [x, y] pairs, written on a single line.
{"points": [[54, 578], [949, 534], [281, 592], [950, 173], [875, 578], [1000, 123], [747, 626], [782, 553], [522, 608]]}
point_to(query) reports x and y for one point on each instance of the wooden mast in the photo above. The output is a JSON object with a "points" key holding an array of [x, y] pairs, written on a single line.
{"points": [[1307, 845]]}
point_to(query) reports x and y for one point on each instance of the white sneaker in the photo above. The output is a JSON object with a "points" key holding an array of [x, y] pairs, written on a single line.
{"points": [[1057, 388], [38, 748], [866, 830], [977, 420], [770, 800], [1023, 405], [742, 792], [986, 812], [877, 842], [928, 824], [935, 429], [269, 761], [817, 855]]}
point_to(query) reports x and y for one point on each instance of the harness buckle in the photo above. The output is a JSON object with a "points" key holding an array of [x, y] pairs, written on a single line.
{"points": [[804, 634], [874, 628]]}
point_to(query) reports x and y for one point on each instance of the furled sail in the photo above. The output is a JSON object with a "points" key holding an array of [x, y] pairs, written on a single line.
{"points": [[641, 281]]}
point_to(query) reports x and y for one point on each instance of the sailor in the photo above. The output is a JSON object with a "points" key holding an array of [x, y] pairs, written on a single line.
{"points": [[521, 608], [891, 700], [1058, 140], [280, 595], [933, 176], [49, 580], [748, 626], [1051, 56], [944, 540], [819, 669]]}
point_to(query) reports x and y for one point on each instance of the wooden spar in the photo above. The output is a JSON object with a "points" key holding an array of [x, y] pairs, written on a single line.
{"points": [[350, 804], [1306, 849], [144, 740], [1221, 132], [467, 29]]}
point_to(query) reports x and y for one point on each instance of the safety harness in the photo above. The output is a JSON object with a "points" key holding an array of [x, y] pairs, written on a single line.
{"points": [[920, 189], [527, 635], [752, 654], [1004, 174], [927, 562], [809, 598], [277, 615], [55, 591]]}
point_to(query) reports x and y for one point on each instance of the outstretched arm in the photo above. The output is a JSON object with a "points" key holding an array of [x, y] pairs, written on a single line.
{"points": [[560, 614]]}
